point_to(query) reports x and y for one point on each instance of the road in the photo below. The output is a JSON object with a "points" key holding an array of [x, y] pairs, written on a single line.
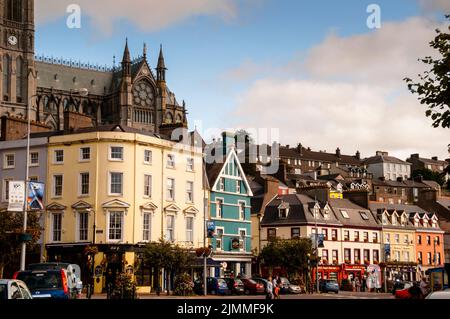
{"points": [[340, 295]]}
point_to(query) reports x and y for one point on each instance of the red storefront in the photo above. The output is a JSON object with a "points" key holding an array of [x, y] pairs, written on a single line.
{"points": [[339, 272]]}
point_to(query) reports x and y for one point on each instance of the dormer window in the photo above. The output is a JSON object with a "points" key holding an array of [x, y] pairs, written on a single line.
{"points": [[385, 220], [394, 219], [326, 214], [416, 222], [283, 210]]}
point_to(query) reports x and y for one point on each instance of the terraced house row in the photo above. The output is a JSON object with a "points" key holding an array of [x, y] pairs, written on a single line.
{"points": [[357, 232]]}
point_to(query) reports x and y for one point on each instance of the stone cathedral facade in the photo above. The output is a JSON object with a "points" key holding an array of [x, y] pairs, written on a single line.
{"points": [[131, 94]]}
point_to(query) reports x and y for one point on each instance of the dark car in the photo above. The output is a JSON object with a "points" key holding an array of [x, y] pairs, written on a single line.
{"points": [[327, 285], [252, 287], [235, 285], [48, 284], [215, 286], [261, 281]]}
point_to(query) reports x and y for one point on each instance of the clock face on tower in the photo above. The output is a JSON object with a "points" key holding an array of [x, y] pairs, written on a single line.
{"points": [[12, 40], [143, 94]]}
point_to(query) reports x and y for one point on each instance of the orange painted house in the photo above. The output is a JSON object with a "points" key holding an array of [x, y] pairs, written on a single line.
{"points": [[429, 241]]}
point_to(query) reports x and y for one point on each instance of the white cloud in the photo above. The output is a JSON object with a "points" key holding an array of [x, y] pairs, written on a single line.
{"points": [[384, 56], [435, 5], [353, 95], [147, 15], [350, 116]]}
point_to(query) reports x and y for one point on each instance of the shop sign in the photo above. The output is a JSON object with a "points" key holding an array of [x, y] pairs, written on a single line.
{"points": [[235, 243]]}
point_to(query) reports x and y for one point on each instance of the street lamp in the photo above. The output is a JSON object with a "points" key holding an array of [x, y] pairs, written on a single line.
{"points": [[27, 170]]}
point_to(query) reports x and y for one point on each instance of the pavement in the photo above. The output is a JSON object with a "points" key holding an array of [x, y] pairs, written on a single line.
{"points": [[340, 295]]}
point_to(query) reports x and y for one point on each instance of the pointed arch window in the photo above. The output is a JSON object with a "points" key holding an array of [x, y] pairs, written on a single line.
{"points": [[6, 77], [169, 118], [14, 10], [21, 80]]}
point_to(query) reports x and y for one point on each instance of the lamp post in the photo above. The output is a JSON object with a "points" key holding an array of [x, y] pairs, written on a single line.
{"points": [[27, 170]]}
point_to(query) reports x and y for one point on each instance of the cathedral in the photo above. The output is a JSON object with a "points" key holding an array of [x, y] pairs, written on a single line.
{"points": [[66, 95]]}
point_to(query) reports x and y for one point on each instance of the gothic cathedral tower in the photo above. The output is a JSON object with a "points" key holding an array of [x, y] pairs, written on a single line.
{"points": [[18, 71]]}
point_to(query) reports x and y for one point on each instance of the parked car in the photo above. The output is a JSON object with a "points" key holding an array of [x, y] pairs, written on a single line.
{"points": [[14, 289], [410, 291], [48, 284], [327, 285], [444, 294], [261, 281], [399, 285], [72, 271], [251, 287], [215, 286], [235, 285], [286, 287]]}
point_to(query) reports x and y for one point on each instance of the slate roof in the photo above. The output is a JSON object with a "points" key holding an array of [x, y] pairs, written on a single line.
{"points": [[61, 77], [384, 159], [378, 208], [300, 212], [353, 211], [404, 183]]}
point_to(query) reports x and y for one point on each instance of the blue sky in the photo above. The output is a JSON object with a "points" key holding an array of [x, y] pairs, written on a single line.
{"points": [[203, 50]]}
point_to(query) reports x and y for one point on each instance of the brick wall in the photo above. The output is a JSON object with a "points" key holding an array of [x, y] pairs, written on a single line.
{"points": [[13, 128]]}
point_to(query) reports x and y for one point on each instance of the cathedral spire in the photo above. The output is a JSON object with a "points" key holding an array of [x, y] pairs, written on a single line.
{"points": [[161, 69], [144, 53], [126, 53], [126, 61]]}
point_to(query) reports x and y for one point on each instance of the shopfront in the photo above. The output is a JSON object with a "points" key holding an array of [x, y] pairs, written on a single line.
{"points": [[353, 271], [332, 272], [403, 271]]}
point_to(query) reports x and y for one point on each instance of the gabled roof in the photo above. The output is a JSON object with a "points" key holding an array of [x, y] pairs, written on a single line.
{"points": [[354, 213], [214, 170], [115, 203]]}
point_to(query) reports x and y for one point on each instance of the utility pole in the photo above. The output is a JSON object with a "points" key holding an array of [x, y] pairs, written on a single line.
{"points": [[205, 234]]}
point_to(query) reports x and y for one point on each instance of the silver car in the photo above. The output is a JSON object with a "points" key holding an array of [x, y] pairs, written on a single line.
{"points": [[14, 289], [445, 294]]}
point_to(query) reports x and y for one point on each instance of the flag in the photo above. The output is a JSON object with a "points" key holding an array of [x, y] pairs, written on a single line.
{"points": [[16, 196], [35, 200]]}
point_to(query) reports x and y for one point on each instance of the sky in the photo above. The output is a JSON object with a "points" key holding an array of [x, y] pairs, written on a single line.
{"points": [[309, 72]]}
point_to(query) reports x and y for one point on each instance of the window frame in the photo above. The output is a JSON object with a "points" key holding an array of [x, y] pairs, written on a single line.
{"points": [[148, 160], [110, 175], [5, 161], [170, 163], [79, 224], [148, 214], [81, 159], [110, 153], [190, 231], [55, 157], [148, 180], [54, 230], [121, 213], [54, 195], [80, 184], [169, 190], [189, 191], [31, 159]]}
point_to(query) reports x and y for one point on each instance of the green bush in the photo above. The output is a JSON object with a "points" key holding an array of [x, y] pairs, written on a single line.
{"points": [[125, 287], [183, 285]]}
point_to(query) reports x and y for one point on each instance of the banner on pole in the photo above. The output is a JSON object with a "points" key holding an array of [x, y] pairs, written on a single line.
{"points": [[16, 196], [35, 200], [210, 228]]}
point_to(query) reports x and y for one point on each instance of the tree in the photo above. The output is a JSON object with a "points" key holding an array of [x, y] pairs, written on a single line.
{"points": [[11, 227], [164, 255], [433, 89], [291, 254], [429, 175]]}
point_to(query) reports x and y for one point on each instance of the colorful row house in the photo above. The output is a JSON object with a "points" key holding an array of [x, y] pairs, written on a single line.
{"points": [[119, 189], [230, 212], [357, 233]]}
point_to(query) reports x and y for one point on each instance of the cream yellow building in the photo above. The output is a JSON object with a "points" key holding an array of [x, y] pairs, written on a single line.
{"points": [[120, 189]]}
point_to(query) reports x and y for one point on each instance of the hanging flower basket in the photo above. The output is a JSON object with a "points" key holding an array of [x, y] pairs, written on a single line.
{"points": [[90, 250], [203, 251]]}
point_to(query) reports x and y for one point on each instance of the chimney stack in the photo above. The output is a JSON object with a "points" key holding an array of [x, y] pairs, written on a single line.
{"points": [[434, 158], [358, 155], [300, 148], [338, 152], [414, 155]]}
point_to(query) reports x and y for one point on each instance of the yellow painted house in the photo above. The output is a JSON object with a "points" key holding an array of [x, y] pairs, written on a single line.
{"points": [[398, 240], [120, 189]]}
